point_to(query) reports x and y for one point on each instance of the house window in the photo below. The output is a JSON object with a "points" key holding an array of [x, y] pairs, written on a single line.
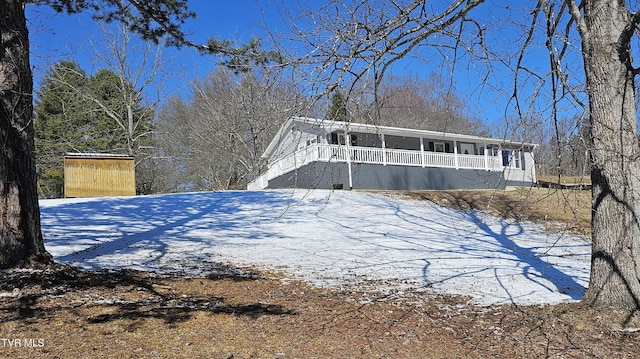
{"points": [[334, 138], [438, 146], [467, 149], [311, 141], [512, 158], [353, 141], [337, 138], [491, 150]]}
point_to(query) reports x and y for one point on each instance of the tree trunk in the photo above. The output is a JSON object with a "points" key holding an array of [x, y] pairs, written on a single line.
{"points": [[615, 153], [21, 240]]}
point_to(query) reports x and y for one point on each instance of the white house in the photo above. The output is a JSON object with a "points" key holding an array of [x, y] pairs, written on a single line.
{"points": [[314, 153]]}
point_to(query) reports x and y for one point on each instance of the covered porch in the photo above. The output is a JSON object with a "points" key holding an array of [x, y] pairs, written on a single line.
{"points": [[350, 154]]}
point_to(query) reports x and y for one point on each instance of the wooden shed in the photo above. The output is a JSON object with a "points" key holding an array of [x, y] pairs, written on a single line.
{"points": [[95, 175]]}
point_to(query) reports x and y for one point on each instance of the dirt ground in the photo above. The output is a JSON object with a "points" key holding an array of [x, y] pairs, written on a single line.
{"points": [[558, 210], [245, 313], [232, 313]]}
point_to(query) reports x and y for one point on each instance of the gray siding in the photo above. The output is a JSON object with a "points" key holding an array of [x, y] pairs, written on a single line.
{"points": [[377, 177]]}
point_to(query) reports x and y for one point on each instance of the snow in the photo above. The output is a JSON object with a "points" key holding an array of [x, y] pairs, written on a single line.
{"points": [[340, 239]]}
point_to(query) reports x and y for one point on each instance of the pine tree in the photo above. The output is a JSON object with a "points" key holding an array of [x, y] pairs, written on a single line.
{"points": [[338, 109], [61, 118]]}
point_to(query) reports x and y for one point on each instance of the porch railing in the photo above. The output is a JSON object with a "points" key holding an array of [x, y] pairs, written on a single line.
{"points": [[374, 155]]}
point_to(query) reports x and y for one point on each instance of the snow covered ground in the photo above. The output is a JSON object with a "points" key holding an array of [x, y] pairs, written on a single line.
{"points": [[327, 238]]}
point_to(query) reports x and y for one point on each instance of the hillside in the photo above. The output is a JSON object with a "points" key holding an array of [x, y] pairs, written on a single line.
{"points": [[304, 275], [328, 239]]}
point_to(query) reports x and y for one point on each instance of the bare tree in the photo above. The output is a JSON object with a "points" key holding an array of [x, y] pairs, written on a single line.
{"points": [[404, 101], [219, 136], [607, 28], [142, 73], [606, 97], [138, 67], [565, 151], [171, 144], [426, 104], [350, 41]]}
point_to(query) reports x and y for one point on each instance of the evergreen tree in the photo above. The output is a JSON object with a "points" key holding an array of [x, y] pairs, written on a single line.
{"points": [[61, 124], [338, 109]]}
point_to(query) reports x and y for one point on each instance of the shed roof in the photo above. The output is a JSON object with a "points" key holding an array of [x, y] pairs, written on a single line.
{"points": [[96, 155]]}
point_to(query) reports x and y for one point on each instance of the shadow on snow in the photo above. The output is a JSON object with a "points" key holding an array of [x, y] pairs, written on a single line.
{"points": [[151, 227], [320, 235]]}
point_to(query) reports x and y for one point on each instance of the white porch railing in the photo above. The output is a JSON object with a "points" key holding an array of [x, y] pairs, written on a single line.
{"points": [[374, 155], [388, 156]]}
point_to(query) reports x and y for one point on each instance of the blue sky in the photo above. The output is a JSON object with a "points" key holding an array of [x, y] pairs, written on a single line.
{"points": [[58, 36]]}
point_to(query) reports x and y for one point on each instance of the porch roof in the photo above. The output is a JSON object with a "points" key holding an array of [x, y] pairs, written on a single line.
{"points": [[331, 126]]}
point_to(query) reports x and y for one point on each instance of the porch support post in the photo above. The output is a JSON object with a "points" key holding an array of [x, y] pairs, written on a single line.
{"points": [[455, 153], [347, 140], [384, 150], [486, 158], [422, 152]]}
